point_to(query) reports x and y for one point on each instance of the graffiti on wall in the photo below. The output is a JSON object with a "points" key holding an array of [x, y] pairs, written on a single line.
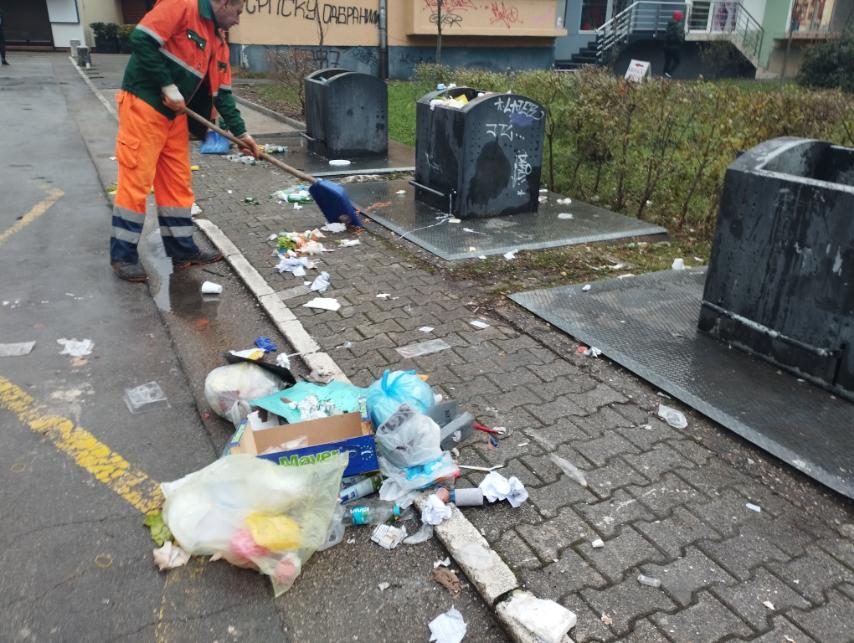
{"points": [[314, 10], [455, 11]]}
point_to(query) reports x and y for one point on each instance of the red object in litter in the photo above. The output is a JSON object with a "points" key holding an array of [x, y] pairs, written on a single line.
{"points": [[582, 349], [479, 427]]}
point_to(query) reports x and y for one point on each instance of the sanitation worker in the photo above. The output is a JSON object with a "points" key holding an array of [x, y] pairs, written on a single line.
{"points": [[178, 49]]}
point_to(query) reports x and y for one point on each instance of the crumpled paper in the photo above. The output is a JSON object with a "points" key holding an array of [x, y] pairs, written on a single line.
{"points": [[323, 303], [434, 511], [334, 227], [75, 347], [170, 556], [448, 627], [496, 487], [321, 282], [295, 265]]}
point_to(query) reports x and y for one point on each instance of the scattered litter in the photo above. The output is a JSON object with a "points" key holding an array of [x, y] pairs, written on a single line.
{"points": [[334, 227], [269, 148], [251, 200], [426, 329], [170, 556], [753, 507], [401, 192], [769, 605], [607, 620], [422, 348], [383, 295], [321, 282], [349, 243], [544, 190], [597, 544], [16, 349], [296, 195], [565, 201], [159, 531], [479, 324], [674, 418], [445, 562], [585, 287], [435, 512], [195, 209], [383, 586], [345, 345], [510, 256], [241, 158], [210, 288], [249, 353], [447, 578], [589, 351], [145, 397], [496, 487], [295, 265], [454, 220], [569, 469], [649, 581], [283, 360], [388, 536], [542, 199], [546, 620], [469, 230], [678, 264], [266, 344], [195, 168], [76, 348], [448, 627], [565, 215], [424, 533], [323, 303], [339, 162]]}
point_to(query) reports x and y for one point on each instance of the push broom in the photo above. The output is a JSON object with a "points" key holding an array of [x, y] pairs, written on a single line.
{"points": [[330, 197]]}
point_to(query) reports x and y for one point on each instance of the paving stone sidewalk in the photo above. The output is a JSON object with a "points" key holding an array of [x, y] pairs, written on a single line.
{"points": [[667, 503]]}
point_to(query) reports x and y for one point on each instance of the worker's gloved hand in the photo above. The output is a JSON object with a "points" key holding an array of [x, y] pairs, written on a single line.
{"points": [[172, 98], [249, 145]]}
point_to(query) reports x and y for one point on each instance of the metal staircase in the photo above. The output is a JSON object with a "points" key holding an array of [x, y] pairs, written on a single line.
{"points": [[706, 20]]}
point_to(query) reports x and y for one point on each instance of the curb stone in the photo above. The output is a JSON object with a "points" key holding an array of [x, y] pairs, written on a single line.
{"points": [[496, 583]]}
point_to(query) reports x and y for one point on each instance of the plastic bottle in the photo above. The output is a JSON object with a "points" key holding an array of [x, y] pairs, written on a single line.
{"points": [[361, 489], [370, 512]]}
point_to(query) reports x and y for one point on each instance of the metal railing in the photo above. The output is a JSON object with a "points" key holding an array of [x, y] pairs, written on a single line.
{"points": [[719, 19], [645, 17], [727, 20]]}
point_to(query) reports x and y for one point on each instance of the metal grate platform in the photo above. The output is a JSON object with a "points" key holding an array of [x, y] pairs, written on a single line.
{"points": [[648, 325], [428, 227], [401, 158]]}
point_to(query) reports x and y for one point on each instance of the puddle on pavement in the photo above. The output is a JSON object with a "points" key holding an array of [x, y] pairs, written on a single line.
{"points": [[178, 293]]}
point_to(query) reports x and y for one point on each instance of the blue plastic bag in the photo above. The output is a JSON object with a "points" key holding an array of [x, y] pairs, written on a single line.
{"points": [[215, 144], [396, 388]]}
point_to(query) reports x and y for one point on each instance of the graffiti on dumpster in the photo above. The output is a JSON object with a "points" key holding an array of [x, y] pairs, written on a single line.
{"points": [[521, 170]]}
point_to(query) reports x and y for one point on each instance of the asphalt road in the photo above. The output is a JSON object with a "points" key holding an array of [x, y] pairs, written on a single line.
{"points": [[78, 470]]}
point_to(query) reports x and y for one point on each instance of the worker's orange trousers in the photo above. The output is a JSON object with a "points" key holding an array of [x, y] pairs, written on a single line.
{"points": [[151, 150]]}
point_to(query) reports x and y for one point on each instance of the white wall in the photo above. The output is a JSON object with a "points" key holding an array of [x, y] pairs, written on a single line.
{"points": [[63, 34], [756, 8]]}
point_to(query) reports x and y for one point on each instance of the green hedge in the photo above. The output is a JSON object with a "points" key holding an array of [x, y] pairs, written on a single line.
{"points": [[657, 150]]}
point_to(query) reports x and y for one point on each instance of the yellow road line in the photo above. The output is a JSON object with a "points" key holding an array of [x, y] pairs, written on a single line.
{"points": [[128, 481], [53, 195]]}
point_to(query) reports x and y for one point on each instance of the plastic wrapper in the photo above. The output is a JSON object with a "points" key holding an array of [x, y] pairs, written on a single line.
{"points": [[408, 438], [400, 482], [395, 388], [256, 514], [229, 388]]}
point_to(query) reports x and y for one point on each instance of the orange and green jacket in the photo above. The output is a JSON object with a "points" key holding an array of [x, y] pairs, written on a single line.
{"points": [[179, 42]]}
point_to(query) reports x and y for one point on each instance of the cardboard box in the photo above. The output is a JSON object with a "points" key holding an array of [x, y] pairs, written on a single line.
{"points": [[325, 436]]}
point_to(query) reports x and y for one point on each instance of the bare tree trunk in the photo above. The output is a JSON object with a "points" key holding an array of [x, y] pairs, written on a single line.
{"points": [[439, 32]]}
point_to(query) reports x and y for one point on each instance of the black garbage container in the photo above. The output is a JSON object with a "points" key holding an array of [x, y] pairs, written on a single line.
{"points": [[780, 282], [480, 159], [346, 114]]}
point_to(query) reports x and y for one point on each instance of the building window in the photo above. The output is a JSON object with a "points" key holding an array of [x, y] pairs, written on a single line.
{"points": [[593, 14], [811, 15]]}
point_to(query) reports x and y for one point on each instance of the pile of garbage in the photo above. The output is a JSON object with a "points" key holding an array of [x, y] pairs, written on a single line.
{"points": [[309, 461]]}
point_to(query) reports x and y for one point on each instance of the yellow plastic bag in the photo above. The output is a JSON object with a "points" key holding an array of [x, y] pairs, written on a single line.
{"points": [[276, 533]]}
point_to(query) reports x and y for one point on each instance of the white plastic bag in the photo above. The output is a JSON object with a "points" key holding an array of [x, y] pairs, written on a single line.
{"points": [[229, 388], [399, 482], [409, 438], [255, 513]]}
